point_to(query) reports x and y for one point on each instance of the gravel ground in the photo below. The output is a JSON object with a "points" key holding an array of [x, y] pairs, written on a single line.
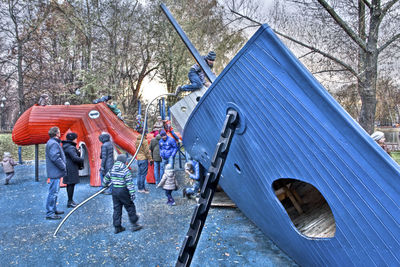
{"points": [[87, 238]]}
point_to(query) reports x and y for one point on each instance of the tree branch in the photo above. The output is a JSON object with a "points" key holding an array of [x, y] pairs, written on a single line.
{"points": [[338, 61], [386, 8], [393, 39], [344, 25], [368, 4]]}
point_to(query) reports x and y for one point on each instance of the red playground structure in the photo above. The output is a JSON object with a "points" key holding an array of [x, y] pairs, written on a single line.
{"points": [[88, 121]]}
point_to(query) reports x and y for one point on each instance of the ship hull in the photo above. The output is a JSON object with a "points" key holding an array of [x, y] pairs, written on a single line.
{"points": [[291, 128]]}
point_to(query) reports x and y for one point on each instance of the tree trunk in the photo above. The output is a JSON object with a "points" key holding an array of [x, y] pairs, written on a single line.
{"points": [[367, 90], [21, 96]]}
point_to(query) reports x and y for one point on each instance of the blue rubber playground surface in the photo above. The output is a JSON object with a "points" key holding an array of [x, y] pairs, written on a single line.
{"points": [[87, 238]]}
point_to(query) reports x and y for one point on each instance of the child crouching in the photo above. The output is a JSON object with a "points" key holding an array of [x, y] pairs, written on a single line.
{"points": [[169, 183], [123, 194]]}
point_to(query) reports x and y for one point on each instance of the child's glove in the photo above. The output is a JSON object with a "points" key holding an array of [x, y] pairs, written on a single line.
{"points": [[176, 188], [133, 197]]}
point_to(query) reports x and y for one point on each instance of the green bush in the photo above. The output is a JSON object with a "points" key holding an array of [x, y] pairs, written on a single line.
{"points": [[28, 152]]}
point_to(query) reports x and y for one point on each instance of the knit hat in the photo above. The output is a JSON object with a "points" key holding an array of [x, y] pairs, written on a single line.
{"points": [[121, 158], [188, 166], [163, 133], [377, 135], [7, 154], [211, 56], [71, 136]]}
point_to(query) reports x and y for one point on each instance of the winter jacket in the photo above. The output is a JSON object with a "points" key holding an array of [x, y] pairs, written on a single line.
{"points": [[73, 162], [196, 168], [155, 148], [168, 181], [120, 176], [168, 148], [197, 70], [107, 153], [8, 164], [144, 152], [55, 159]]}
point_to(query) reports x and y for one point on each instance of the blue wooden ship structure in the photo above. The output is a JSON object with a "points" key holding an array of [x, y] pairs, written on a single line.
{"points": [[299, 166]]}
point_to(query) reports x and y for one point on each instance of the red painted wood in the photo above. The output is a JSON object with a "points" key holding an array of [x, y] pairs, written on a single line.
{"points": [[33, 126]]}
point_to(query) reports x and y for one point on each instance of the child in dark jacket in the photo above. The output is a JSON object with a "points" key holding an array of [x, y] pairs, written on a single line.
{"points": [[8, 166], [169, 184], [123, 194]]}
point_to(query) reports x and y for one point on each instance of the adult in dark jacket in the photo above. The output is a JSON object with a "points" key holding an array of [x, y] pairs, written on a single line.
{"points": [[74, 162], [155, 154], [106, 156], [56, 168], [168, 149]]}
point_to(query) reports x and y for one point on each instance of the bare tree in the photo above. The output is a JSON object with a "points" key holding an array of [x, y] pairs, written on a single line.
{"points": [[369, 29], [20, 21]]}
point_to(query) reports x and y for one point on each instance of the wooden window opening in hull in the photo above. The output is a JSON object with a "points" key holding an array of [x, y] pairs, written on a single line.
{"points": [[306, 207]]}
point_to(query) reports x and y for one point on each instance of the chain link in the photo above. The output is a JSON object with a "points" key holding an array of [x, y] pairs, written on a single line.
{"points": [[208, 189]]}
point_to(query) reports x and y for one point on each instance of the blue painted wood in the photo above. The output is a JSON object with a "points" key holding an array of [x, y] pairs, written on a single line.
{"points": [[291, 127]]}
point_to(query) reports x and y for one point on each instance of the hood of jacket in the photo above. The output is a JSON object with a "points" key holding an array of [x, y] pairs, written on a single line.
{"points": [[118, 166], [104, 137], [158, 137], [67, 143]]}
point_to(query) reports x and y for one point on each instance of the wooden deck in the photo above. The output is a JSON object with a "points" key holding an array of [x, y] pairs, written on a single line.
{"points": [[316, 220]]}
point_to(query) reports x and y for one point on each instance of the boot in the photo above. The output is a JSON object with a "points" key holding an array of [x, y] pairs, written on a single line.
{"points": [[119, 229], [136, 227], [71, 204]]}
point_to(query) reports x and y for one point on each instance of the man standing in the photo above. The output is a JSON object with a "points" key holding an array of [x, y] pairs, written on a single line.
{"points": [[155, 154], [168, 149], [56, 168], [143, 157], [106, 156]]}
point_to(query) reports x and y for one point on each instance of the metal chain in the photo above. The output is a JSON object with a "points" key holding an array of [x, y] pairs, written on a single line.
{"points": [[208, 189]]}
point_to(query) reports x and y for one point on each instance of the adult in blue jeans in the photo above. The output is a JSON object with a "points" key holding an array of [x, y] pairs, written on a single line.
{"points": [[168, 149], [143, 157], [196, 75], [56, 168]]}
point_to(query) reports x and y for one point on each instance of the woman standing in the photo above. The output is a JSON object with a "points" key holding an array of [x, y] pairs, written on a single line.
{"points": [[74, 162]]}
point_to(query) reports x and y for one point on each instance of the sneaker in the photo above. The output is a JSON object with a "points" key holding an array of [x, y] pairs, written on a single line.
{"points": [[146, 191], [58, 212], [119, 229], [136, 227], [141, 191], [54, 217], [178, 90], [6, 183], [173, 203]]}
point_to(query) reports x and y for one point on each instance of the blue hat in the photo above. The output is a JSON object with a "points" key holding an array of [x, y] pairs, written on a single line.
{"points": [[211, 56], [163, 133]]}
